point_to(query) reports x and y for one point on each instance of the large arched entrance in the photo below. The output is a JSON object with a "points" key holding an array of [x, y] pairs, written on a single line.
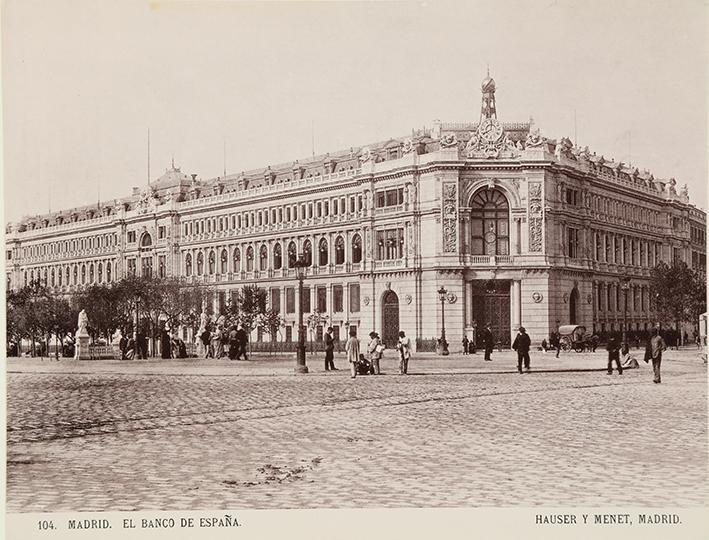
{"points": [[573, 306], [390, 318]]}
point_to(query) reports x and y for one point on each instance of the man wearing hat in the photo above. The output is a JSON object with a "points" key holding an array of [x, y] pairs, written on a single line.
{"points": [[487, 341], [521, 345]]}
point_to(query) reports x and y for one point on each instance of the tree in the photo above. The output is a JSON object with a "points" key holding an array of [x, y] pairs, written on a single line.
{"points": [[314, 320], [678, 291], [271, 322]]}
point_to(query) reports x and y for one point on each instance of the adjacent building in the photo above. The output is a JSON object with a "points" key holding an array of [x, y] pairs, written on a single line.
{"points": [[517, 228]]}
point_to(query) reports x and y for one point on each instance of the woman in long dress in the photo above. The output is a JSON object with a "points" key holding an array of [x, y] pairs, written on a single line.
{"points": [[352, 350]]}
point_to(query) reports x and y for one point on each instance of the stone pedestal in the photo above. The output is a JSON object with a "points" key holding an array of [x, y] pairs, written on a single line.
{"points": [[82, 347]]}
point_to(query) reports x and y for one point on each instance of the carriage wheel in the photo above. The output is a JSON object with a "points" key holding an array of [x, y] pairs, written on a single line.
{"points": [[565, 344]]}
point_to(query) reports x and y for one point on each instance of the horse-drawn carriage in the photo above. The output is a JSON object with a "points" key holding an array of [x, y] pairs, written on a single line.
{"points": [[574, 336]]}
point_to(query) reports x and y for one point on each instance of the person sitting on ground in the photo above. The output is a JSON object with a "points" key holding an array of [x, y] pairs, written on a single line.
{"points": [[627, 360]]}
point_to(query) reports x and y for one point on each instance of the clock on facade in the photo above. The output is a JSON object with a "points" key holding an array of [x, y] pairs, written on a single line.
{"points": [[490, 129]]}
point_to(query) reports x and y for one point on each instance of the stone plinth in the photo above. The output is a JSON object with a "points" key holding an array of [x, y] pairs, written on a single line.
{"points": [[82, 348]]}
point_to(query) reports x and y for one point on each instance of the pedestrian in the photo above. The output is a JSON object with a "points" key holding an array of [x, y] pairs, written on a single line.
{"points": [[404, 346], [555, 341], [374, 351], [233, 343], [521, 345], [217, 344], [242, 339], [686, 338], [130, 349], [657, 345], [352, 351], [488, 341], [329, 350], [206, 337], [466, 342], [122, 346], [142, 346], [613, 348], [165, 345]]}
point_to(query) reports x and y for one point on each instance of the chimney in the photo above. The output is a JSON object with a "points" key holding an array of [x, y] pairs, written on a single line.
{"points": [[136, 191]]}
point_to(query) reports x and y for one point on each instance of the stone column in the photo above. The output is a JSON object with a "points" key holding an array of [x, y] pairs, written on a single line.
{"points": [[516, 304]]}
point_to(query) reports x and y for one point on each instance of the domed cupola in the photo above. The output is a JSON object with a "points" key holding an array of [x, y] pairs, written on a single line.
{"points": [[488, 109]]}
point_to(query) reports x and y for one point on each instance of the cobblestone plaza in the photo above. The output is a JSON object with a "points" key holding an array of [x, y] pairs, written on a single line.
{"points": [[457, 432]]}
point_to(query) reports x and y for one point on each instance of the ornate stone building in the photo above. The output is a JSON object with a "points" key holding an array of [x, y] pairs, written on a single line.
{"points": [[518, 228]]}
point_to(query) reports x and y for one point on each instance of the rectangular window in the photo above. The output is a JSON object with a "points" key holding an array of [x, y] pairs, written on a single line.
{"points": [[161, 232], [131, 237], [146, 265], [289, 334], [354, 297], [389, 197], [321, 293], [337, 298], [306, 299], [390, 244], [161, 266], [290, 300], [572, 237], [221, 300], [131, 267], [276, 300]]}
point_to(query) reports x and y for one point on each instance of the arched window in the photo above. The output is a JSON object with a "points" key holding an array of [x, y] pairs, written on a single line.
{"points": [[249, 259], [263, 257], [200, 263], [108, 272], [76, 275], [236, 260], [188, 264], [59, 276], [91, 273], [83, 274], [52, 278], [308, 253], [100, 272], [323, 252], [356, 249], [339, 250], [224, 266], [146, 240], [212, 262], [67, 275], [277, 256], [292, 255], [490, 223]]}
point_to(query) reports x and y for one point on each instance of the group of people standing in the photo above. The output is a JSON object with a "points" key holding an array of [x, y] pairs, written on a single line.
{"points": [[374, 352], [219, 342]]}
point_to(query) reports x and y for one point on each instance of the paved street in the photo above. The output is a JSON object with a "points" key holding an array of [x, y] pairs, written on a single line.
{"points": [[457, 431]]}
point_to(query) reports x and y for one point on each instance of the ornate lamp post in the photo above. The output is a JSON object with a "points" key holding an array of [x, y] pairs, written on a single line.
{"points": [[625, 286], [300, 367], [443, 345]]}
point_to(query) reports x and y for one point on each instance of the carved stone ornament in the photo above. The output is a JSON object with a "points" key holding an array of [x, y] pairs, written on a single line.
{"points": [[366, 300], [408, 299], [408, 146], [449, 217], [589, 298], [566, 298], [534, 139], [537, 297], [535, 218], [365, 154], [449, 140], [452, 298]]}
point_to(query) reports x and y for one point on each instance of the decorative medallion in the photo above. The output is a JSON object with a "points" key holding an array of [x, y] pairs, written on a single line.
{"points": [[537, 297], [366, 300], [408, 299], [449, 217], [589, 298], [566, 298], [452, 297], [490, 237]]}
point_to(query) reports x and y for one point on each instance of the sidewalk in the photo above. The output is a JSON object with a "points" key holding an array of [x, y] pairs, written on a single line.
{"points": [[284, 365]]}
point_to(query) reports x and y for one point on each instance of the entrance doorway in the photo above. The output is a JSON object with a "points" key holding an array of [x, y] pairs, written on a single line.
{"points": [[573, 305], [491, 304], [390, 319]]}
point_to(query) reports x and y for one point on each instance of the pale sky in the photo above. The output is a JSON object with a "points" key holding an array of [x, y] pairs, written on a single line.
{"points": [[84, 80]]}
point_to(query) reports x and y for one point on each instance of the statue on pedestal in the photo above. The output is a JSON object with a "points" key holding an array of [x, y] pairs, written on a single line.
{"points": [[82, 337]]}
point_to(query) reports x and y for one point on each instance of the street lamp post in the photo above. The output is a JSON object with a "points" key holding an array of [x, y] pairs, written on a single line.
{"points": [[300, 366], [625, 286], [443, 348]]}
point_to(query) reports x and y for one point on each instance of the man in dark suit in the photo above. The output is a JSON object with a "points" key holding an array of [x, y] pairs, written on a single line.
{"points": [[329, 351], [488, 341], [521, 345]]}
